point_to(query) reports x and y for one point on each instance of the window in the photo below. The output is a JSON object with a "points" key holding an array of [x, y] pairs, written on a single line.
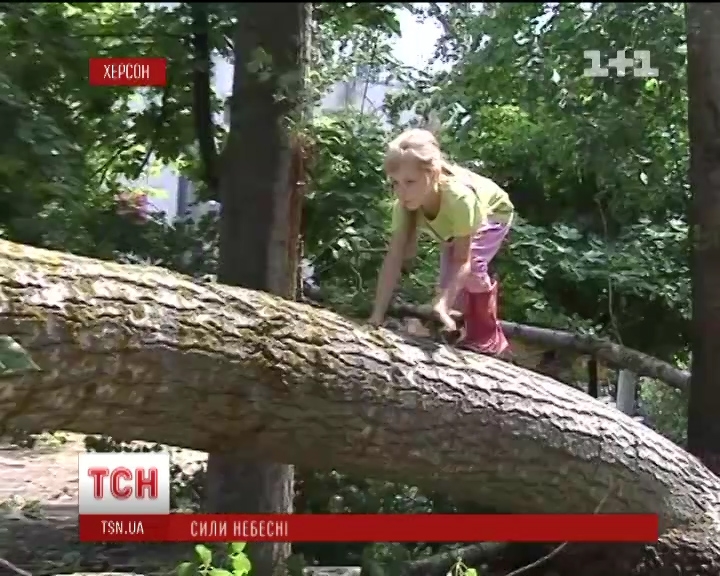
{"points": [[226, 112], [185, 196]]}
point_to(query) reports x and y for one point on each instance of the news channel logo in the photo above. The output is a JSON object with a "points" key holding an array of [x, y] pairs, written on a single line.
{"points": [[124, 483], [633, 63]]}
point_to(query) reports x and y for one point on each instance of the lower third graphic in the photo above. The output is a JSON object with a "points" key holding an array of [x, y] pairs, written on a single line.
{"points": [[637, 66]]}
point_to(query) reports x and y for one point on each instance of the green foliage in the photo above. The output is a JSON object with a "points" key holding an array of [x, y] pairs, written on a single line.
{"points": [[238, 564], [666, 408], [352, 41], [70, 148], [461, 569], [346, 209]]}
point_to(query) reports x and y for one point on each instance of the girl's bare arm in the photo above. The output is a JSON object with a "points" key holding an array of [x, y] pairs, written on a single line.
{"points": [[398, 249], [410, 250], [411, 244]]}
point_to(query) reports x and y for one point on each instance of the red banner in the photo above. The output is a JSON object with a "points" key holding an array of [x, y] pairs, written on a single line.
{"points": [[369, 528], [127, 72]]}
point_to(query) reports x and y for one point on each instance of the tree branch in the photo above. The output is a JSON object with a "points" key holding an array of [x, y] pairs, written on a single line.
{"points": [[440, 564], [160, 121], [161, 118], [202, 95], [10, 566]]}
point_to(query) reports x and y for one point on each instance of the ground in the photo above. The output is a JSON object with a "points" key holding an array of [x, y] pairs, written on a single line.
{"points": [[38, 520]]}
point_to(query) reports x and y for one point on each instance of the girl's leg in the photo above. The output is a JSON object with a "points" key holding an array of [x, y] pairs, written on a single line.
{"points": [[483, 330], [485, 246]]}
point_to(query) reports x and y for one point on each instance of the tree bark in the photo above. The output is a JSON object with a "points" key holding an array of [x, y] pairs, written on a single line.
{"points": [[141, 353], [259, 229], [703, 22]]}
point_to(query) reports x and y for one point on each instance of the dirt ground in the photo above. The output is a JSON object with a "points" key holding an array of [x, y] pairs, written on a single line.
{"points": [[38, 516]]}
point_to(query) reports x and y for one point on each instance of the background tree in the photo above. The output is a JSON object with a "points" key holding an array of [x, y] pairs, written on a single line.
{"points": [[259, 225], [703, 22]]}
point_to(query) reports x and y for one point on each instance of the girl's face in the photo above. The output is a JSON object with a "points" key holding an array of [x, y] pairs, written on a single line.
{"points": [[411, 183]]}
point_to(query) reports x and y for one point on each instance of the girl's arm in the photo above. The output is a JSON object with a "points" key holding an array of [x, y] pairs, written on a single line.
{"points": [[410, 250], [398, 249], [459, 271], [411, 244]]}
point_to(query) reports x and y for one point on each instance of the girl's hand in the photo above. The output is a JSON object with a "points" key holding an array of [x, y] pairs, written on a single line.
{"points": [[375, 321], [441, 312]]}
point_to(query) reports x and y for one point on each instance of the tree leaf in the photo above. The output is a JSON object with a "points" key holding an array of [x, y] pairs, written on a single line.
{"points": [[204, 554], [241, 565], [14, 358], [186, 569], [236, 547]]}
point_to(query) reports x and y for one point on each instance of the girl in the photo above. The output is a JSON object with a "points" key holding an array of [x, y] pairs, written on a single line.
{"points": [[469, 214]]}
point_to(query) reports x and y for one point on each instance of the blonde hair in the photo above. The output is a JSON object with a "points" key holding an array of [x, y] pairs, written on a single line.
{"points": [[419, 145]]}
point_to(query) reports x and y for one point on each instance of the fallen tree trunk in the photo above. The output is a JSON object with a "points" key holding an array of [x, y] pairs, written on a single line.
{"points": [[141, 353]]}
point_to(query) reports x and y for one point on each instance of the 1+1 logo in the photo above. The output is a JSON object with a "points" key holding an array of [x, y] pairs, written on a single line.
{"points": [[124, 483], [621, 64]]}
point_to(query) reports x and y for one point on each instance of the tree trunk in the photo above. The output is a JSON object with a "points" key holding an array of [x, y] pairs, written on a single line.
{"points": [[703, 21], [259, 228], [140, 353]]}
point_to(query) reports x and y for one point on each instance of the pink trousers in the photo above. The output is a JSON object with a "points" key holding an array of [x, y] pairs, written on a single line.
{"points": [[484, 246]]}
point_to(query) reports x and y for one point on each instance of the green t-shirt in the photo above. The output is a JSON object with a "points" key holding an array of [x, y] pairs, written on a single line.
{"points": [[463, 209]]}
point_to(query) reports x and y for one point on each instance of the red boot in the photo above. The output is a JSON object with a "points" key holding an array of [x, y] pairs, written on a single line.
{"points": [[483, 332]]}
